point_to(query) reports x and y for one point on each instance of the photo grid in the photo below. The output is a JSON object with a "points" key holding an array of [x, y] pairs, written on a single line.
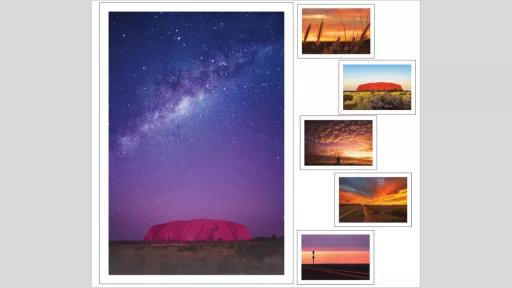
{"points": [[196, 164], [369, 86]]}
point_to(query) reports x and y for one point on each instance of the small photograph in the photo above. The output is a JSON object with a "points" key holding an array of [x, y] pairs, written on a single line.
{"points": [[337, 143], [373, 198], [384, 87], [337, 30], [332, 257]]}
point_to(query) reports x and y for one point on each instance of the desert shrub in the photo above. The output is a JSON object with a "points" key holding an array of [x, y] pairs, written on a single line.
{"points": [[406, 99], [347, 96], [348, 105], [382, 100], [189, 247], [386, 102]]}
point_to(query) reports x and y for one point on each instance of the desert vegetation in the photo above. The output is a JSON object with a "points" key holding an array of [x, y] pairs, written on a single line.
{"points": [[339, 31], [263, 257], [377, 100]]}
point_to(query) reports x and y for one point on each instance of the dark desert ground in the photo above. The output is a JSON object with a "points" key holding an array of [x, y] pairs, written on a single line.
{"points": [[253, 257], [335, 271], [373, 213], [333, 47]]}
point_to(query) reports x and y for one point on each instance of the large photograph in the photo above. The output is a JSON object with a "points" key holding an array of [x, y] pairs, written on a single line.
{"points": [[196, 143]]}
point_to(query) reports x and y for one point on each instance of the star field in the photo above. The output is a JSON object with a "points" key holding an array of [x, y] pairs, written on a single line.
{"points": [[195, 119]]}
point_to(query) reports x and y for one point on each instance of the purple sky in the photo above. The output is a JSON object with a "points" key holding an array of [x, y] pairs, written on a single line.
{"points": [[195, 120], [335, 242]]}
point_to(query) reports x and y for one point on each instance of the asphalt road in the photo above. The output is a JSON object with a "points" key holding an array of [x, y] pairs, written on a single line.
{"points": [[332, 273]]}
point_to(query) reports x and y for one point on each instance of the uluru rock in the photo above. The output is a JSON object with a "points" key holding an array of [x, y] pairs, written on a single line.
{"points": [[198, 230], [379, 86]]}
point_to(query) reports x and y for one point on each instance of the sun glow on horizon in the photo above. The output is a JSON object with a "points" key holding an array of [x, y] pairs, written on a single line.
{"points": [[344, 24], [385, 191], [400, 198], [335, 142], [336, 257]]}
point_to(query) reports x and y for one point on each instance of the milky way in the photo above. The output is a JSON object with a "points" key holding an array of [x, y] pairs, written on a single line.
{"points": [[195, 119]]}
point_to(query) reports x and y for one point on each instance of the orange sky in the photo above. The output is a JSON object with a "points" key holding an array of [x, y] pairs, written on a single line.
{"points": [[337, 257], [351, 140], [399, 198], [338, 22], [388, 193]]}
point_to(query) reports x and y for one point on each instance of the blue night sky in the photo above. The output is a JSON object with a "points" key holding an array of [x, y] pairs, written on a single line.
{"points": [[356, 74], [195, 120]]}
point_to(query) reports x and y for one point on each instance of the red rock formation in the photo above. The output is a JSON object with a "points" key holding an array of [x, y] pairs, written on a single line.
{"points": [[379, 86], [198, 230]]}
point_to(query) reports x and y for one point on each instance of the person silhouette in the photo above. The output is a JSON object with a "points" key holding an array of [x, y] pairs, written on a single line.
{"points": [[338, 160], [313, 252]]}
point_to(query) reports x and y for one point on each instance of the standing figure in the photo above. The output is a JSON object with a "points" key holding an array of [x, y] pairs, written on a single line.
{"points": [[313, 256]]}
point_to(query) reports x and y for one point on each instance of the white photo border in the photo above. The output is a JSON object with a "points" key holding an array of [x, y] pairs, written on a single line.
{"points": [[100, 273], [341, 109], [339, 175], [304, 118], [335, 5], [370, 233]]}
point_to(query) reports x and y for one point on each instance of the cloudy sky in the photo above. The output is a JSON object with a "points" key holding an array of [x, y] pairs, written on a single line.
{"points": [[350, 140], [373, 190]]}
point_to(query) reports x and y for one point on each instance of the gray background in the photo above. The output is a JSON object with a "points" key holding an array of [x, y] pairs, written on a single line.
{"points": [[45, 155]]}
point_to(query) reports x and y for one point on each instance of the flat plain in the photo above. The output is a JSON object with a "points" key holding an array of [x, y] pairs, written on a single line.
{"points": [[372, 213], [261, 257], [377, 100], [335, 272]]}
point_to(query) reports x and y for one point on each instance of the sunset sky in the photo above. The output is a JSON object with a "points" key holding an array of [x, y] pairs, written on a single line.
{"points": [[373, 190], [353, 19], [351, 140], [336, 249], [356, 74]]}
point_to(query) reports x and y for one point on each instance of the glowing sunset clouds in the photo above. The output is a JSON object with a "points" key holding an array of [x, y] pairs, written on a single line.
{"points": [[338, 142], [373, 190]]}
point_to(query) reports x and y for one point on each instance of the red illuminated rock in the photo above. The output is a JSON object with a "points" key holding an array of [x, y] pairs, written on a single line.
{"points": [[198, 230], [379, 86]]}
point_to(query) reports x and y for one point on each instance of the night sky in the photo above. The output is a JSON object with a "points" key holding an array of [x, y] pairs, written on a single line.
{"points": [[195, 120]]}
